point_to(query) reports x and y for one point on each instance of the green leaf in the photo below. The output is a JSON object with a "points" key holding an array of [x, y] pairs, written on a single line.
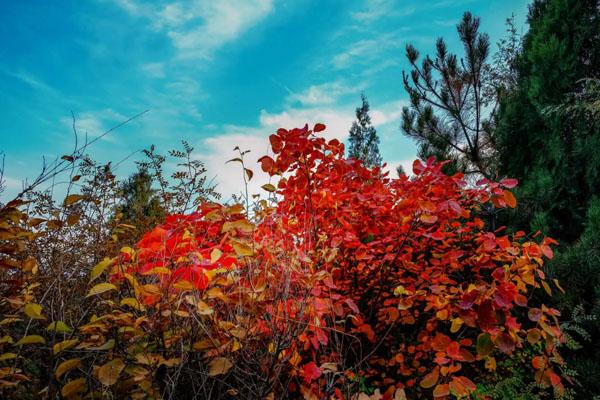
{"points": [[484, 344]]}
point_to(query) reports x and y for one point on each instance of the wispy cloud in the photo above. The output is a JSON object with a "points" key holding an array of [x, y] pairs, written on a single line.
{"points": [[366, 51], [31, 80], [94, 123], [324, 93], [374, 10], [198, 28], [154, 69]]}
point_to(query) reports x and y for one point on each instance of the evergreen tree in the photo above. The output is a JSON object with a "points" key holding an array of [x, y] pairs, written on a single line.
{"points": [[141, 206], [549, 138], [453, 102], [364, 142]]}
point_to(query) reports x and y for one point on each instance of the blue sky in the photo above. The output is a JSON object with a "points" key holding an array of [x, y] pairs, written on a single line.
{"points": [[215, 73]]}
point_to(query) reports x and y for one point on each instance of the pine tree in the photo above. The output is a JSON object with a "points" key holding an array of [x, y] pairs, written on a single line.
{"points": [[453, 103], [141, 206], [364, 142], [548, 137]]}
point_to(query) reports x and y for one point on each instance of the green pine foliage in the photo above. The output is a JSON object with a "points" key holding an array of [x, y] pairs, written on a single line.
{"points": [[548, 134], [364, 142]]}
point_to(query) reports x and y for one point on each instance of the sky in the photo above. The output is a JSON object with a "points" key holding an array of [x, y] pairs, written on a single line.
{"points": [[218, 74]]}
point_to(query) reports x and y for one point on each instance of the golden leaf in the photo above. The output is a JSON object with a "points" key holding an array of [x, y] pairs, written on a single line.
{"points": [[66, 366], [72, 199], [215, 254], [100, 268], [31, 339], [59, 327], [242, 249], [101, 288], [64, 345], [108, 374], [73, 387], [219, 366], [33, 311], [269, 187]]}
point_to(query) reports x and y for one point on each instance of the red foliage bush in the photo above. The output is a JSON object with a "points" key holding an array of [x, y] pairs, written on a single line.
{"points": [[351, 278]]}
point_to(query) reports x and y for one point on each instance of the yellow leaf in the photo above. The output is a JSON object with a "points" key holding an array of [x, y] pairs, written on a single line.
{"points": [[268, 187], [203, 345], [203, 308], [72, 199], [106, 346], [31, 339], [399, 291], [456, 324], [100, 268], [240, 224], [158, 271], [547, 288], [183, 285], [64, 345], [7, 356], [101, 288], [242, 249], [73, 387], [10, 320], [34, 311], [59, 327], [131, 302], [558, 285], [219, 366], [108, 374], [66, 366], [234, 209], [215, 254]]}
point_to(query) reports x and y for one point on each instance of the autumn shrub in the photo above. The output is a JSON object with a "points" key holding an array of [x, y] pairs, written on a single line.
{"points": [[348, 281]]}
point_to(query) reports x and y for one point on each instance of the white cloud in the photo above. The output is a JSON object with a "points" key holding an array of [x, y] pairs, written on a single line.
{"points": [[387, 113], [217, 149], [198, 28], [324, 94], [406, 165]]}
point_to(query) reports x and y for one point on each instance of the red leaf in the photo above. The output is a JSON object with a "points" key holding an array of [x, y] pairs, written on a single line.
{"points": [[547, 251], [267, 163], [486, 316], [431, 378], [310, 372], [441, 390], [418, 167], [505, 343], [276, 143], [319, 128], [509, 183]]}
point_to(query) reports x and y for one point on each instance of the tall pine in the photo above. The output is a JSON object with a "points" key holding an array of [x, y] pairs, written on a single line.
{"points": [[364, 142], [553, 148]]}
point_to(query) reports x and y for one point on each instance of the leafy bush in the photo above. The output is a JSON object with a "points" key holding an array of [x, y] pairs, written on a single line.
{"points": [[344, 281]]}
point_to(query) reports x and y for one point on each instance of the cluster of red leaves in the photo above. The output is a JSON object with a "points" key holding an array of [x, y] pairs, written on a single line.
{"points": [[432, 290], [396, 281]]}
